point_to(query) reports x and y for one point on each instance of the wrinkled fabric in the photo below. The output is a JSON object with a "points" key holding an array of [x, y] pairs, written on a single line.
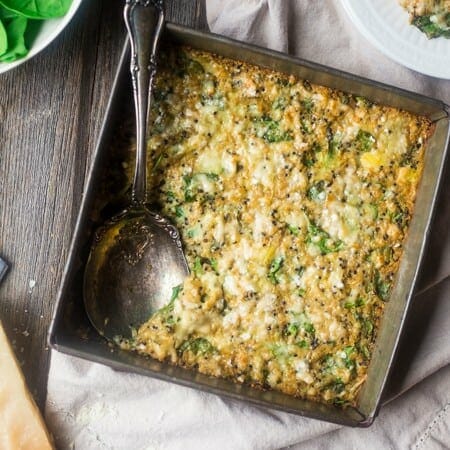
{"points": [[90, 406], [319, 31], [419, 419]]}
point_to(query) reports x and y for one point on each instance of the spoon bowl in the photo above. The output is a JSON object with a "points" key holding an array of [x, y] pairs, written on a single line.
{"points": [[136, 259], [135, 263]]}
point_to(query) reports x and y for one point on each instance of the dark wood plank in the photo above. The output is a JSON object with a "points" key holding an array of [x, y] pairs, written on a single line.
{"points": [[191, 13], [51, 110], [52, 106]]}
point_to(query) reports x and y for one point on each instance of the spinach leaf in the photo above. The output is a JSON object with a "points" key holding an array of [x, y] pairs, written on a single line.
{"points": [[348, 359], [302, 344], [274, 268], [364, 141], [198, 346], [6, 13], [14, 15], [192, 184], [323, 240], [337, 385], [179, 212], [433, 29], [308, 105], [334, 142], [400, 217], [189, 194], [293, 229], [299, 322], [367, 327], [166, 312], [15, 29], [3, 39], [198, 266], [270, 131], [37, 9], [350, 305], [214, 265], [382, 287]]}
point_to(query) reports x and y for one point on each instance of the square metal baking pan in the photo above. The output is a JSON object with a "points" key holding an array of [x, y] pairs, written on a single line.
{"points": [[70, 330]]}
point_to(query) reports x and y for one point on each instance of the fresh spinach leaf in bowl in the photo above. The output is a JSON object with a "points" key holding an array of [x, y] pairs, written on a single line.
{"points": [[15, 16]]}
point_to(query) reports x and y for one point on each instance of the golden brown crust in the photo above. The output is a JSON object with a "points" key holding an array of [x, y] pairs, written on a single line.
{"points": [[293, 201]]}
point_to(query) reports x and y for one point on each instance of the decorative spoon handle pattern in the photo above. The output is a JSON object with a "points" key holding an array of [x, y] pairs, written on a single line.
{"points": [[144, 20]]}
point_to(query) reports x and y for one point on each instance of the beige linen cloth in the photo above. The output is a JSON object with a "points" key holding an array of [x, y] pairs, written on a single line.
{"points": [[90, 406]]}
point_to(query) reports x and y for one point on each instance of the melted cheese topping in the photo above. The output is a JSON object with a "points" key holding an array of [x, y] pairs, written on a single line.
{"points": [[293, 202]]}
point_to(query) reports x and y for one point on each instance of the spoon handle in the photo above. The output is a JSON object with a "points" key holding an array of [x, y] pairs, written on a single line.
{"points": [[144, 20]]}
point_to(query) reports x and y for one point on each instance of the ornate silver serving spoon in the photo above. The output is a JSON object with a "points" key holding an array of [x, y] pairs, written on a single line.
{"points": [[136, 258]]}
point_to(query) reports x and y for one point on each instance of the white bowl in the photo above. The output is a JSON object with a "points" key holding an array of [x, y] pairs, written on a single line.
{"points": [[48, 31]]}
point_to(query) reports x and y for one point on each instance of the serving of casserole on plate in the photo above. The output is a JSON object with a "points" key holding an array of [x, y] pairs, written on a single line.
{"points": [[410, 32], [432, 17], [297, 204]]}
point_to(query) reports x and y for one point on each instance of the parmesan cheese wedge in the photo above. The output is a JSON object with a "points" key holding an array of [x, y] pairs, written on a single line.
{"points": [[21, 425]]}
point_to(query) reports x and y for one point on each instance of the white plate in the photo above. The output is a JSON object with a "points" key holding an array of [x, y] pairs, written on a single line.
{"points": [[47, 33], [386, 25]]}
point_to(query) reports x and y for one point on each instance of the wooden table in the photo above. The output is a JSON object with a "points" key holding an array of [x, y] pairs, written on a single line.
{"points": [[51, 110]]}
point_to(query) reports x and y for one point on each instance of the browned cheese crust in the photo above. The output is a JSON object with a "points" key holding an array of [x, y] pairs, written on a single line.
{"points": [[293, 201]]}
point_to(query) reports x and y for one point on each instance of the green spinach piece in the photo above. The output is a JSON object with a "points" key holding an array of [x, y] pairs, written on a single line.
{"points": [[198, 266], [348, 361], [293, 229], [214, 265], [364, 141], [198, 346], [433, 29], [308, 105], [350, 305], [274, 269], [337, 385], [3, 39], [367, 327], [299, 322], [191, 184], [382, 288], [37, 9], [322, 239], [166, 312], [400, 217], [334, 142], [270, 131], [179, 212], [302, 344], [291, 329], [13, 36], [189, 195]]}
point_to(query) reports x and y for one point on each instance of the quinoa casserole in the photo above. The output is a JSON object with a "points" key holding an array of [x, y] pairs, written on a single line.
{"points": [[432, 17], [293, 203]]}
